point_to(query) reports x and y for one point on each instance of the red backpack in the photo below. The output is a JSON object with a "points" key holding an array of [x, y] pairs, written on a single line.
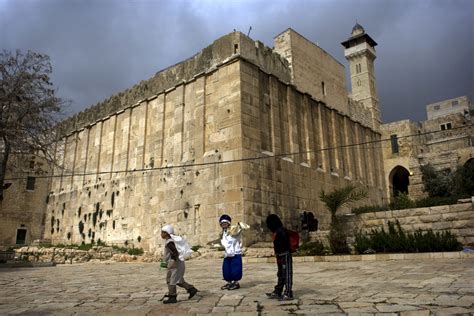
{"points": [[294, 240]]}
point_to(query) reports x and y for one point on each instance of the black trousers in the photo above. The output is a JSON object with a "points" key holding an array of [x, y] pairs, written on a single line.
{"points": [[284, 274]]}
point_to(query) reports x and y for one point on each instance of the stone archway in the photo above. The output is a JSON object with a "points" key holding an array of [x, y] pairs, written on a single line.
{"points": [[399, 180], [469, 162]]}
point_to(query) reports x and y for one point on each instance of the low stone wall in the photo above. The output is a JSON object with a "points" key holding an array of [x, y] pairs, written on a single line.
{"points": [[70, 256], [64, 256], [457, 218]]}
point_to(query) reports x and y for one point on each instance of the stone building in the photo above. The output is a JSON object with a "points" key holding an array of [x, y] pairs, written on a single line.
{"points": [[239, 128], [445, 140], [23, 208]]}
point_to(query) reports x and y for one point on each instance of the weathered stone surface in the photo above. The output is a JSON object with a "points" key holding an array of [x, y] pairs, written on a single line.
{"points": [[155, 154]]}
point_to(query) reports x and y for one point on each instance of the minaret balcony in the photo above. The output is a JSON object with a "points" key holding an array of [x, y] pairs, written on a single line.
{"points": [[360, 49]]}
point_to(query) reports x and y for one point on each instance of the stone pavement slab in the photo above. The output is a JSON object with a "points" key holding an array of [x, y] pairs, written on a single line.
{"points": [[399, 287]]}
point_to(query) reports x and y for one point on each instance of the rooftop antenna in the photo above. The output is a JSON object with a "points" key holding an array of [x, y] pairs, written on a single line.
{"points": [[250, 28]]}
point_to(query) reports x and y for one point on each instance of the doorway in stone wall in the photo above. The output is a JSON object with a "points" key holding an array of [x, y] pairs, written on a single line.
{"points": [[399, 180], [21, 236]]}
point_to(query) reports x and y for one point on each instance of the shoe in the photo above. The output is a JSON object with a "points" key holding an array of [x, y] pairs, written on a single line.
{"points": [[286, 298], [225, 287], [234, 286], [171, 299], [192, 291], [273, 295]]}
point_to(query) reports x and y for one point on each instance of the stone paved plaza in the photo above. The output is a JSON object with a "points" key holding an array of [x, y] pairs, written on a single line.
{"points": [[404, 287]]}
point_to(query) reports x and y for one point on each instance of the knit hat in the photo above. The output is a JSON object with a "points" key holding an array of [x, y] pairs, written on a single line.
{"points": [[225, 219], [168, 228]]}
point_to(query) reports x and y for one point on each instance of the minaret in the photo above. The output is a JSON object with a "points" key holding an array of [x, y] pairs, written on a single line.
{"points": [[360, 52]]}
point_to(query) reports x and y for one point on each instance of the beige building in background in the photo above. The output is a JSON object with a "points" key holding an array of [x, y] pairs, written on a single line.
{"points": [[23, 208], [445, 140]]}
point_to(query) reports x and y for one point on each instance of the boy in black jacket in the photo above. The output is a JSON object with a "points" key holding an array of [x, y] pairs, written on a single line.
{"points": [[281, 245]]}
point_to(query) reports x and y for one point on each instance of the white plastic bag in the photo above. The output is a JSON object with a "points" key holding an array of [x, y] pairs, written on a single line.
{"points": [[182, 246]]}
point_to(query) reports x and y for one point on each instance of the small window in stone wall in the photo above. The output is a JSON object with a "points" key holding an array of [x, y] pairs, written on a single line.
{"points": [[394, 142], [446, 126], [436, 107], [30, 183], [455, 103], [323, 88]]}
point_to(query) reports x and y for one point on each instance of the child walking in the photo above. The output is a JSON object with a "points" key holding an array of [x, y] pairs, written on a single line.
{"points": [[281, 245], [176, 267], [232, 243]]}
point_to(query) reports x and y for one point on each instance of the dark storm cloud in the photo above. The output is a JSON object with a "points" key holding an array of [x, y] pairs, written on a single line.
{"points": [[98, 48]]}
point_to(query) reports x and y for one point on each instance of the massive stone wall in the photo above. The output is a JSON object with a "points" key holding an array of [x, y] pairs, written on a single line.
{"points": [[307, 149], [236, 138], [110, 188]]}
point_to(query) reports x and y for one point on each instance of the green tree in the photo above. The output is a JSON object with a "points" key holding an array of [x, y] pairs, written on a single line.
{"points": [[464, 179], [29, 107], [453, 184], [334, 201], [436, 183], [341, 197]]}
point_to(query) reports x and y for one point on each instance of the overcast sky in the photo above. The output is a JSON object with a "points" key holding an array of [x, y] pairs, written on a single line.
{"points": [[97, 48]]}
